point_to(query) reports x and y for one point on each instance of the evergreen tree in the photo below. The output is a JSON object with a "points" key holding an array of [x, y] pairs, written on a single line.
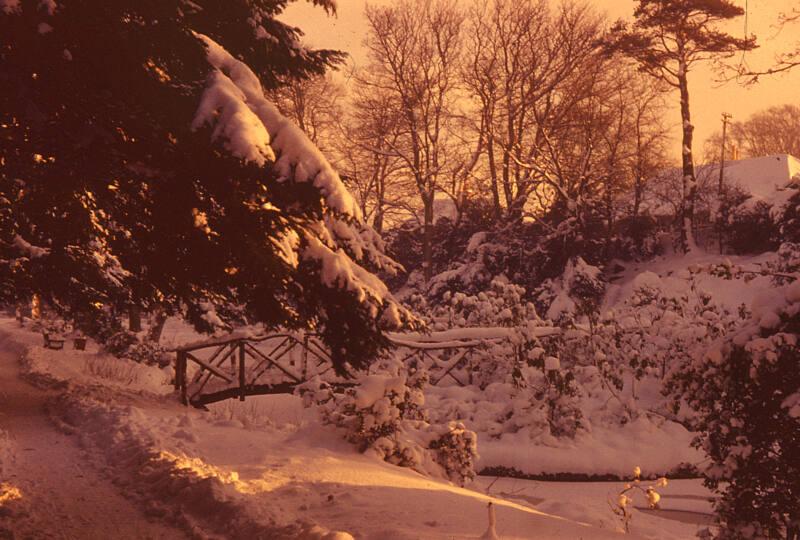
{"points": [[143, 164], [667, 39]]}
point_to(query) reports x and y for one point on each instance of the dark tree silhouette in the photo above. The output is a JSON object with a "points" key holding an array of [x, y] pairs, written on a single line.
{"points": [[114, 189]]}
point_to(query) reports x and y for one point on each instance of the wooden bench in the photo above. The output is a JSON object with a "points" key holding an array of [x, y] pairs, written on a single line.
{"points": [[54, 343]]}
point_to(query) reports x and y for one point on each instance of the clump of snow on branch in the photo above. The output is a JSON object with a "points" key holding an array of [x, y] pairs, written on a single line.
{"points": [[10, 6], [234, 101], [224, 104], [28, 249]]}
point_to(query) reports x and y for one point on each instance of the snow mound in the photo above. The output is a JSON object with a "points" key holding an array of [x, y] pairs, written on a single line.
{"points": [[91, 368], [202, 497]]}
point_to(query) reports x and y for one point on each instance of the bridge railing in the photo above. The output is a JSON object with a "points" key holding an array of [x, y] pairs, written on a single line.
{"points": [[277, 363], [242, 361]]}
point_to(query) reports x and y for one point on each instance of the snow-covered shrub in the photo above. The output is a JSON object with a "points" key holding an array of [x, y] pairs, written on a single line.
{"points": [[450, 240], [125, 344], [541, 410], [502, 304], [788, 260], [658, 326], [119, 342], [637, 238], [455, 449], [561, 397], [745, 389], [100, 325], [49, 323], [752, 228], [520, 387], [577, 293], [385, 415], [147, 352], [790, 217]]}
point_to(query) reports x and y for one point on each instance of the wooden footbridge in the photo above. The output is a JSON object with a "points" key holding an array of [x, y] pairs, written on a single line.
{"points": [[240, 365]]}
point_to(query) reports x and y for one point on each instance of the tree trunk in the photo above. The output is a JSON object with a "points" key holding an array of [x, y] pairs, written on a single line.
{"points": [[638, 182], [689, 180], [134, 317], [609, 211], [377, 222], [498, 210], [427, 240], [157, 327]]}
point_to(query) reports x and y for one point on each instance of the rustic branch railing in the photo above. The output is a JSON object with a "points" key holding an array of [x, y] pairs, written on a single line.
{"points": [[259, 365], [461, 342], [247, 366]]}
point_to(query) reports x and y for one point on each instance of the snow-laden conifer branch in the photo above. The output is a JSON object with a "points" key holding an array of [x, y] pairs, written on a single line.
{"points": [[251, 128], [234, 101]]}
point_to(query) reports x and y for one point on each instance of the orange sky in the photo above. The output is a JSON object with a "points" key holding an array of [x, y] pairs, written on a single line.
{"points": [[708, 98]]}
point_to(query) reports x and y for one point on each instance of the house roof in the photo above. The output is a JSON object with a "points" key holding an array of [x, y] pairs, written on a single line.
{"points": [[767, 179]]}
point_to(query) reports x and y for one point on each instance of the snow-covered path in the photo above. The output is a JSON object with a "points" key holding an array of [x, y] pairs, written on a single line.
{"points": [[63, 497]]}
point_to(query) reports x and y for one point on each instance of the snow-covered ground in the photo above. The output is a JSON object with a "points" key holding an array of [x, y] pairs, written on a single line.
{"points": [[49, 487], [674, 274], [266, 468]]}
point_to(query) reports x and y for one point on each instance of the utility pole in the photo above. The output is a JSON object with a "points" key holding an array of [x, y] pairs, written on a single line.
{"points": [[721, 218]]}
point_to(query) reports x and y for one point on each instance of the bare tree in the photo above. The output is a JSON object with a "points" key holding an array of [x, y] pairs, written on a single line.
{"points": [[366, 156], [775, 130], [315, 104], [415, 49], [650, 134], [522, 59], [784, 61]]}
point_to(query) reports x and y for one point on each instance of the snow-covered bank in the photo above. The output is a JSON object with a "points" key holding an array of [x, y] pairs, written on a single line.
{"points": [[658, 450], [286, 476]]}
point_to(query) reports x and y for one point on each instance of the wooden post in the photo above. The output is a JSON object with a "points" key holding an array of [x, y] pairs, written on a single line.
{"points": [[469, 367], [178, 370], [721, 217], [242, 380]]}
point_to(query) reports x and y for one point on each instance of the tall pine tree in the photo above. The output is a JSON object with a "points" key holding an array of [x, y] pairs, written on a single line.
{"points": [[668, 38]]}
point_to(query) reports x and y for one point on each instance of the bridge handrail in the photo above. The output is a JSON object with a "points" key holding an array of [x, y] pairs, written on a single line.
{"points": [[236, 346], [235, 337]]}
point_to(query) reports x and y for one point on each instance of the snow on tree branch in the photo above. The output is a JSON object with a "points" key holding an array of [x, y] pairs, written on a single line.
{"points": [[234, 100], [253, 129], [31, 251], [224, 103]]}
